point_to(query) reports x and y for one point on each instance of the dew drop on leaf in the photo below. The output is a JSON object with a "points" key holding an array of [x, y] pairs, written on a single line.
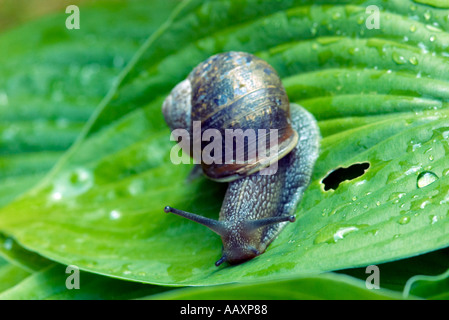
{"points": [[413, 60], [404, 220], [425, 178], [8, 243], [398, 58], [433, 219], [115, 214], [72, 184]]}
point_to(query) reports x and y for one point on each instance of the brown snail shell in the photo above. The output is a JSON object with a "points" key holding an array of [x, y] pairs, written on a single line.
{"points": [[235, 90]]}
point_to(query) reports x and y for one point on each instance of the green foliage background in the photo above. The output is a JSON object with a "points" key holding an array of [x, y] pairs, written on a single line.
{"points": [[84, 151]]}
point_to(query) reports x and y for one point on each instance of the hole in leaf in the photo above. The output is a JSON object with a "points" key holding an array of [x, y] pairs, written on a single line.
{"points": [[333, 179]]}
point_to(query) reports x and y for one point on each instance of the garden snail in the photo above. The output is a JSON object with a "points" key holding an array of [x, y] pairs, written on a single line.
{"points": [[237, 90]]}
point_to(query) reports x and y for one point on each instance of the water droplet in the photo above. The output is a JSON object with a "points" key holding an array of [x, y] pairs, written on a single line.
{"points": [[412, 28], [412, 170], [445, 134], [432, 38], [427, 15], [404, 220], [425, 178], [336, 232], [428, 150], [424, 204], [342, 232], [396, 196], [361, 20], [433, 28], [398, 58], [136, 187], [56, 195], [423, 47], [8, 243], [445, 199], [336, 15], [353, 51], [72, 183], [413, 146], [413, 60], [359, 183], [433, 219], [115, 214], [339, 208]]}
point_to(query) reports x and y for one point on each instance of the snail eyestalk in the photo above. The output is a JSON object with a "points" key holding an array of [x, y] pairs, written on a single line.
{"points": [[214, 225], [220, 261]]}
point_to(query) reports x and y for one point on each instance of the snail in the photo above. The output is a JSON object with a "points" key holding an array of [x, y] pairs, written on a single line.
{"points": [[237, 90]]}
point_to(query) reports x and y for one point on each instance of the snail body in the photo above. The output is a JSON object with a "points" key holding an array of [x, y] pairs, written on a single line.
{"points": [[236, 90]]}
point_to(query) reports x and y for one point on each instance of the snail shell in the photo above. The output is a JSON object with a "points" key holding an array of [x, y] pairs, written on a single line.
{"points": [[234, 90]]}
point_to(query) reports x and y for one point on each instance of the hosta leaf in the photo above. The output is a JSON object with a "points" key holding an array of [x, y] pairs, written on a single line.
{"points": [[429, 287], [326, 286], [56, 282], [29, 261], [10, 275], [50, 83], [101, 207], [395, 275], [435, 3]]}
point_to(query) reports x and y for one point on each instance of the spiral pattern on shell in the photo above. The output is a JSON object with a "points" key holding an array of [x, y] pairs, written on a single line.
{"points": [[237, 90]]}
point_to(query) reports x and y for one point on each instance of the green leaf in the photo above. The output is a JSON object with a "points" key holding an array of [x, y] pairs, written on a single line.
{"points": [[434, 3], [101, 207], [53, 78], [10, 275], [394, 275], [429, 287], [50, 284], [325, 286], [29, 261]]}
